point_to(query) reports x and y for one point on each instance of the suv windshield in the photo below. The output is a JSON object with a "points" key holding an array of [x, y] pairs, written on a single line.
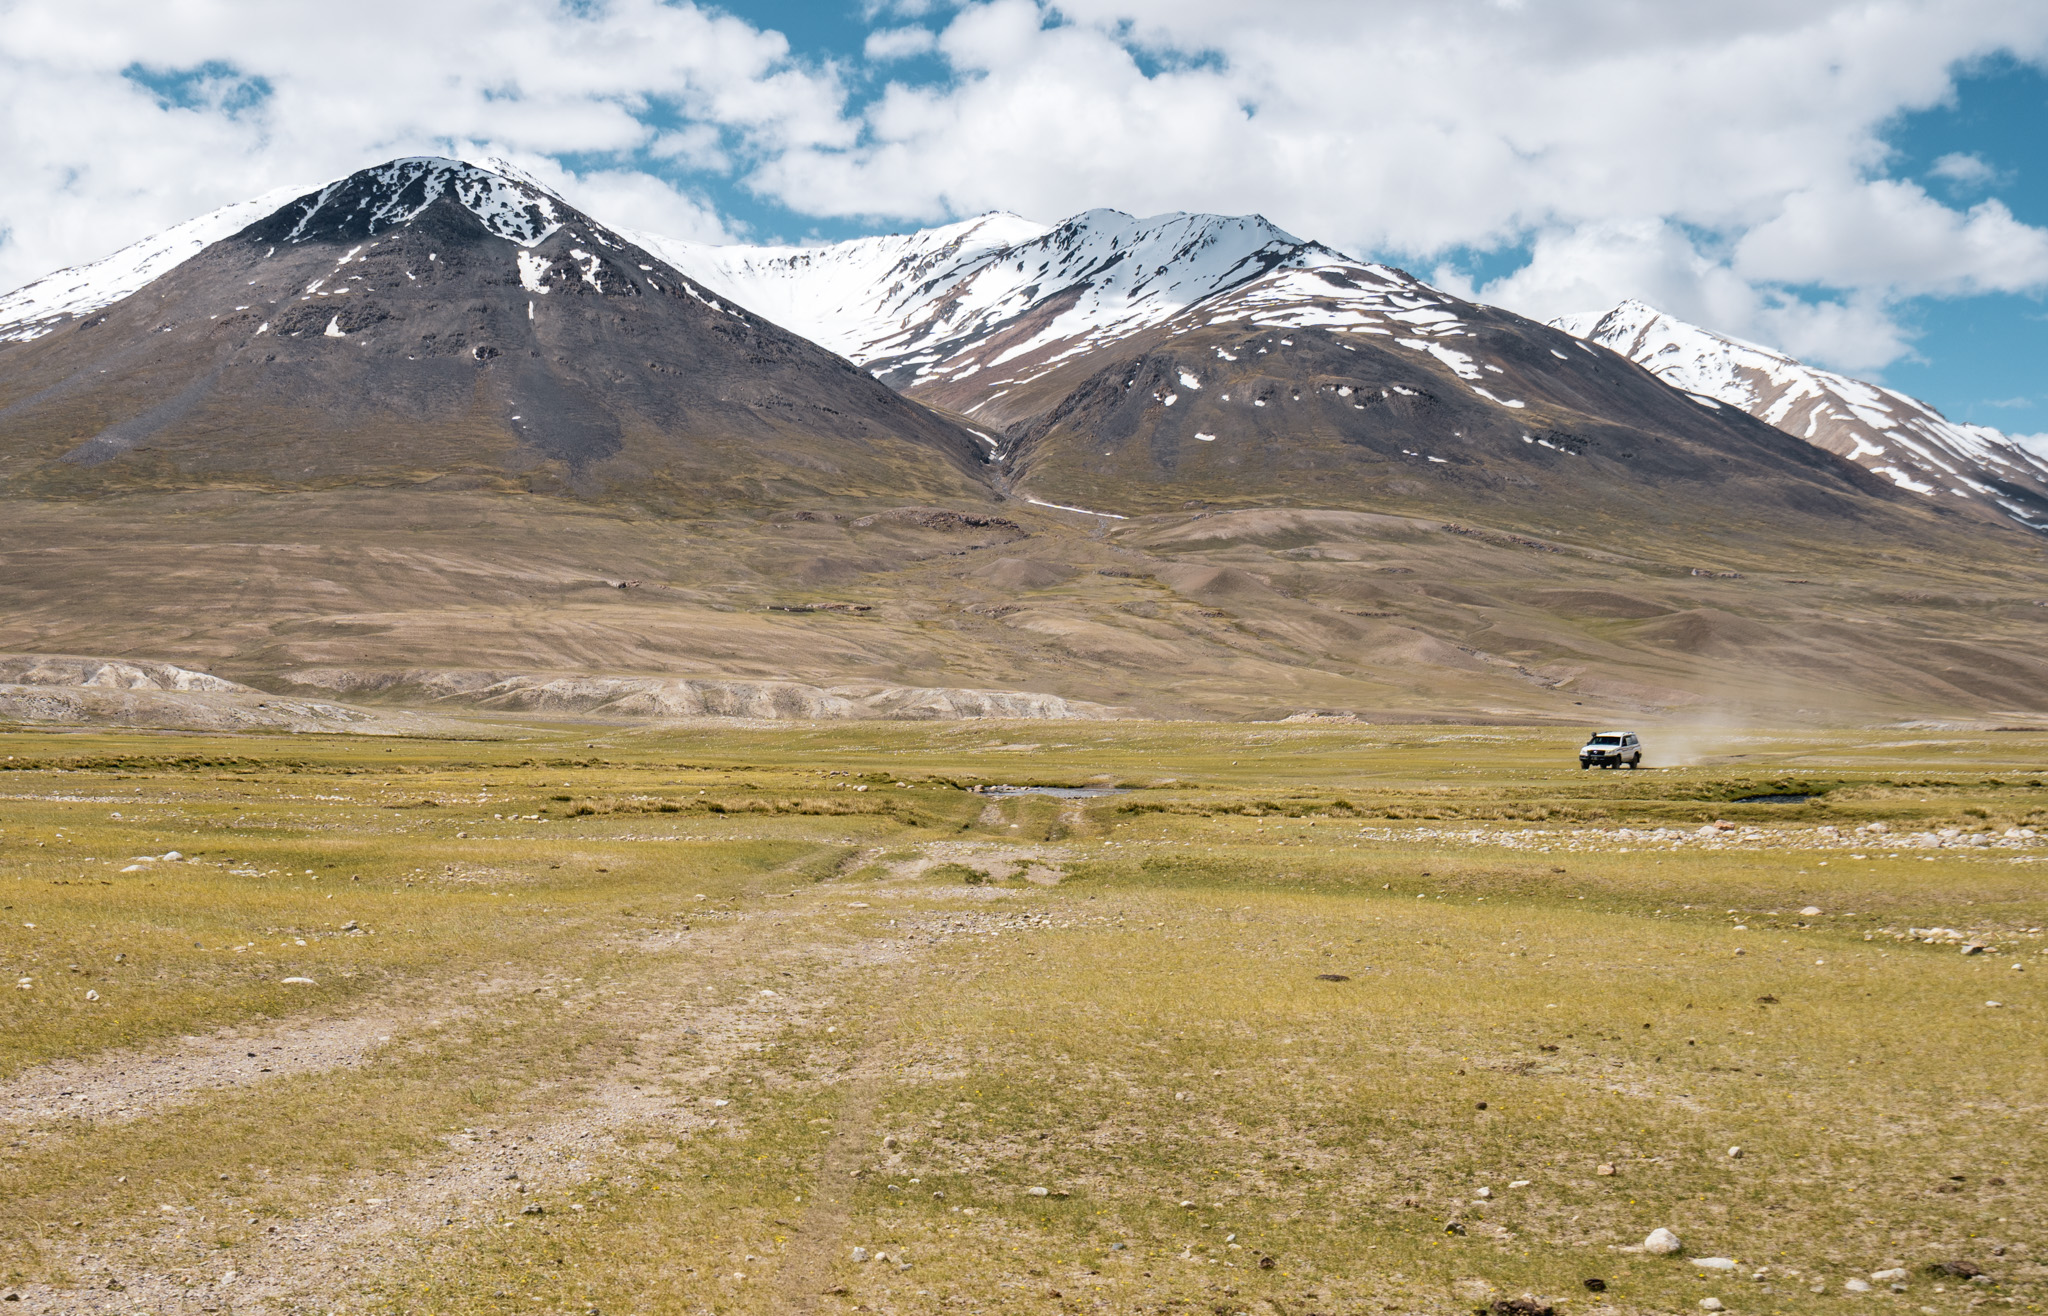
{"points": [[1605, 740]]}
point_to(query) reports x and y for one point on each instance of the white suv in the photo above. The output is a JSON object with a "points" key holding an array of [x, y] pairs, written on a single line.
{"points": [[1611, 749]]}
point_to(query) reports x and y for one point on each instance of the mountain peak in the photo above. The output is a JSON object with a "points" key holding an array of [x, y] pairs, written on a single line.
{"points": [[1901, 438], [384, 196], [917, 308], [512, 341]]}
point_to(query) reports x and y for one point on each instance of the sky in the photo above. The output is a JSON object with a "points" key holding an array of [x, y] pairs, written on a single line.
{"points": [[1861, 183]]}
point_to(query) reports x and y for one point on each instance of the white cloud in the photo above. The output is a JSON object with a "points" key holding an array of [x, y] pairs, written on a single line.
{"points": [[1894, 237], [625, 198], [1703, 160], [1592, 266], [2034, 443], [1965, 169], [94, 160], [1647, 150], [900, 43]]}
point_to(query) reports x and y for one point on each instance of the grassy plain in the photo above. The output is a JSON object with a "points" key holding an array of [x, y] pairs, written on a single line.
{"points": [[676, 1020]]}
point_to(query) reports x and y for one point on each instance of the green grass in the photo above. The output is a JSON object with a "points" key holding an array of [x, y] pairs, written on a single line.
{"points": [[1255, 1020]]}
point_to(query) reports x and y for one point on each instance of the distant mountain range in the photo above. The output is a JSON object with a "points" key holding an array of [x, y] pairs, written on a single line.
{"points": [[974, 315], [1000, 319], [431, 429], [1900, 438]]}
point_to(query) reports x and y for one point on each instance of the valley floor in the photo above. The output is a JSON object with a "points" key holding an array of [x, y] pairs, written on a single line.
{"points": [[1299, 1018]]}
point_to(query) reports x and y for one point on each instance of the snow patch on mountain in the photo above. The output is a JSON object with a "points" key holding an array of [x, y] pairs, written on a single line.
{"points": [[1013, 288], [509, 203], [372, 200], [35, 309], [1901, 438], [1002, 300], [849, 296]]}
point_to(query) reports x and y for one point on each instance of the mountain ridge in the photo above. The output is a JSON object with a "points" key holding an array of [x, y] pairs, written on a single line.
{"points": [[971, 316], [1896, 436]]}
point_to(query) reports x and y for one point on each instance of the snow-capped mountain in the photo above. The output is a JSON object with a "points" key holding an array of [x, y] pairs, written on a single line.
{"points": [[430, 318], [371, 201], [1001, 301], [1137, 351], [854, 297], [1901, 438], [1222, 356], [510, 204], [35, 309]]}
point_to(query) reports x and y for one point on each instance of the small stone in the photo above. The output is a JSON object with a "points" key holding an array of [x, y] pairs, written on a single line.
{"points": [[1810, 911], [1711, 1304], [1596, 1285], [92, 996], [1713, 1263], [1039, 1192], [1485, 1192], [1974, 948], [1662, 1243], [859, 1254], [1892, 1276], [535, 1209], [1856, 1285], [1994, 1005], [298, 982], [1479, 1105], [351, 926], [1735, 1153], [1605, 1171], [1518, 1183]]}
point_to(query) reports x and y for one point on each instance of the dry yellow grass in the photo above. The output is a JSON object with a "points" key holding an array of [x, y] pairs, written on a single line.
{"points": [[676, 1022]]}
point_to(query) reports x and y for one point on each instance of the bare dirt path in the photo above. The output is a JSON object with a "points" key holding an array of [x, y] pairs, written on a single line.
{"points": [[126, 1085], [353, 1236], [821, 1238]]}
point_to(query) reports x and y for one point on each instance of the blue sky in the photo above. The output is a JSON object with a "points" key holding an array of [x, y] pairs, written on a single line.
{"points": [[1982, 359], [1859, 185]]}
